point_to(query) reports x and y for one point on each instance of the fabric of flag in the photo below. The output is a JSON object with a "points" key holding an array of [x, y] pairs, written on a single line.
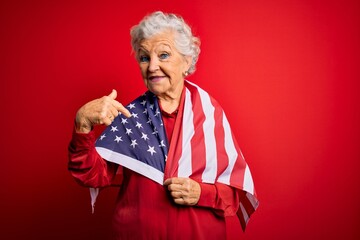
{"points": [[202, 146]]}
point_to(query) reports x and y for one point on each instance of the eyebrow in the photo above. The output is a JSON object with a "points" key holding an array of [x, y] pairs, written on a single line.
{"points": [[142, 48], [166, 45]]}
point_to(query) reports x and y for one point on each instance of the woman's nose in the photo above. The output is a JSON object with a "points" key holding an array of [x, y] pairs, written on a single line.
{"points": [[153, 65]]}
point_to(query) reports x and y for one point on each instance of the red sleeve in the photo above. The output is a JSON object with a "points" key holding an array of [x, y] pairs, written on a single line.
{"points": [[223, 199], [86, 165]]}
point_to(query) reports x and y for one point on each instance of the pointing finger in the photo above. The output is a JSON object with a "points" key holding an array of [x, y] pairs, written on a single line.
{"points": [[120, 108]]}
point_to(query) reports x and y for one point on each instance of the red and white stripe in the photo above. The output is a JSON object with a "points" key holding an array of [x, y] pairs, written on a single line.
{"points": [[204, 149]]}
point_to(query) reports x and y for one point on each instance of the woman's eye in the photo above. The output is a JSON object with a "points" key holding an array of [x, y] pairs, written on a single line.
{"points": [[164, 56], [144, 58]]}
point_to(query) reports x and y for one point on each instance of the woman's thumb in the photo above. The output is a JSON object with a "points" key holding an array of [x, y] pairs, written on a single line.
{"points": [[113, 94]]}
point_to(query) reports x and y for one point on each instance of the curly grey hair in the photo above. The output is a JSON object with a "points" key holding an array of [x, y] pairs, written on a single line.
{"points": [[185, 42]]}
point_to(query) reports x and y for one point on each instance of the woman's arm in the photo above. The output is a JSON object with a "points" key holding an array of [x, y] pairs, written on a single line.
{"points": [[223, 199], [86, 165]]}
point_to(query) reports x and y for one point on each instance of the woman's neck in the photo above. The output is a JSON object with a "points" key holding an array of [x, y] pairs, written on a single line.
{"points": [[170, 102]]}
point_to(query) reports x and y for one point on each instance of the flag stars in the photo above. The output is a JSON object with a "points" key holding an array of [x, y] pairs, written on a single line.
{"points": [[118, 139], [155, 132], [102, 136], [133, 143], [131, 105], [157, 112], [128, 131], [149, 120], [114, 129], [124, 120], [145, 111], [134, 115], [143, 102], [151, 150], [144, 136], [151, 106], [138, 125], [162, 144]]}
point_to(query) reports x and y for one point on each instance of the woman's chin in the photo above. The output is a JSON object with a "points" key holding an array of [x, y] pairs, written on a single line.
{"points": [[156, 86]]}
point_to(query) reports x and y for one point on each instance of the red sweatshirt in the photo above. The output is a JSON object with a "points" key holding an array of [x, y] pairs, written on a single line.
{"points": [[144, 208]]}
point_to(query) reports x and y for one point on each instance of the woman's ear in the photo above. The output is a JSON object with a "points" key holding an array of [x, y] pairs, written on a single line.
{"points": [[188, 60]]}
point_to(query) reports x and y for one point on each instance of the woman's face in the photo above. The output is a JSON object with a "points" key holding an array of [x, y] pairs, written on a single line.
{"points": [[162, 66]]}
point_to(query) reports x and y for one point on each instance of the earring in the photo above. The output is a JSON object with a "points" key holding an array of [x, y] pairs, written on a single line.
{"points": [[186, 73]]}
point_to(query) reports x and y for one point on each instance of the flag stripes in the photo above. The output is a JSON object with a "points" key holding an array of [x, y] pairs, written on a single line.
{"points": [[185, 166], [202, 146]]}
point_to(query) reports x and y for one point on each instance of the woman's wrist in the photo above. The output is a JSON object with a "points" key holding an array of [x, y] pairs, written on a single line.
{"points": [[82, 127]]}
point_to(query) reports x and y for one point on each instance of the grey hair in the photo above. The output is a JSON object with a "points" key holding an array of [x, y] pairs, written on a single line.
{"points": [[185, 42]]}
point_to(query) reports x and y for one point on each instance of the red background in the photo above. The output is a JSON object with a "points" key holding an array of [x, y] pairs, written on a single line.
{"points": [[286, 73]]}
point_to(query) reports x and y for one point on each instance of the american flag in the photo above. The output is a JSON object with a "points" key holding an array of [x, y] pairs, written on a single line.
{"points": [[139, 142], [202, 146]]}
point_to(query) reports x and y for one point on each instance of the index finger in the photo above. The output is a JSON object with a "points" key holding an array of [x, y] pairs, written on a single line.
{"points": [[173, 180], [120, 108]]}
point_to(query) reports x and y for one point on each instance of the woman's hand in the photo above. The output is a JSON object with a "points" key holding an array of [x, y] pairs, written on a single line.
{"points": [[184, 191], [99, 111]]}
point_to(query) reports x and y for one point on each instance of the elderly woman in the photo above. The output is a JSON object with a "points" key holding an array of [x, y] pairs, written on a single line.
{"points": [[183, 172]]}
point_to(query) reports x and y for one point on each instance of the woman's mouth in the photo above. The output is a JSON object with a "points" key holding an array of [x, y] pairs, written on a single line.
{"points": [[155, 78]]}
